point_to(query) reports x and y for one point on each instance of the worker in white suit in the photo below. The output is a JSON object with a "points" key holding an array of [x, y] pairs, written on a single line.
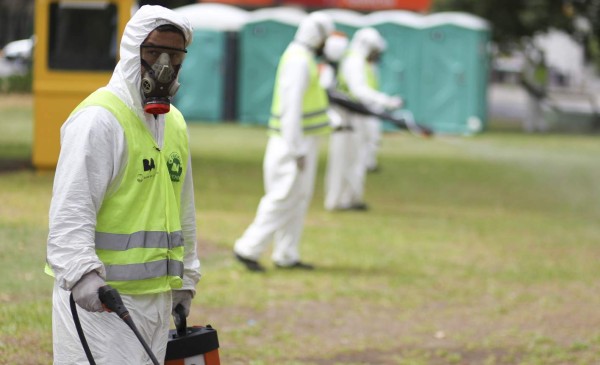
{"points": [[357, 77], [339, 175], [299, 115], [535, 78], [122, 211]]}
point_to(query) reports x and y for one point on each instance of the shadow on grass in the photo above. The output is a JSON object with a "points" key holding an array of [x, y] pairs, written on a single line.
{"points": [[347, 270], [15, 164]]}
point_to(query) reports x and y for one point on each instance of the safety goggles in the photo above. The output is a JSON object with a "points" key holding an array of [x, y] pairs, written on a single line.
{"points": [[150, 54]]}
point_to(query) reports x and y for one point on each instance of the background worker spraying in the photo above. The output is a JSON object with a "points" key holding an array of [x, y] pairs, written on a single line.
{"points": [[357, 77]]}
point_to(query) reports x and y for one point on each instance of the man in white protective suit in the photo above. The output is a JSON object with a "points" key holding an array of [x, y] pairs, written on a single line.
{"points": [[122, 210], [339, 175], [299, 115], [357, 77]]}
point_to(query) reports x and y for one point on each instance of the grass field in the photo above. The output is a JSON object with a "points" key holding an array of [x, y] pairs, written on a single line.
{"points": [[477, 250]]}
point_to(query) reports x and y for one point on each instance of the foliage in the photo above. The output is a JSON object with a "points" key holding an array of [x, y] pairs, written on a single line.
{"points": [[590, 10], [512, 20], [17, 83], [516, 20]]}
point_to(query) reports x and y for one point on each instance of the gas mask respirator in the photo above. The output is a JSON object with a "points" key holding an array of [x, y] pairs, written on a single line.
{"points": [[159, 81]]}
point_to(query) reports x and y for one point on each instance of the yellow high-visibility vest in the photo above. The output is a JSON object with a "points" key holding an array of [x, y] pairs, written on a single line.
{"points": [[138, 231], [315, 102]]}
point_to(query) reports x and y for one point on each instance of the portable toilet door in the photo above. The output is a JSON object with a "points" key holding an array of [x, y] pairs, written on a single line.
{"points": [[262, 41], [400, 64], [454, 73], [208, 75]]}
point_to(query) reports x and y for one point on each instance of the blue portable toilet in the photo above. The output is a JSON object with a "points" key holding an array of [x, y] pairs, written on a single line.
{"points": [[454, 73], [400, 65], [262, 41], [209, 74]]}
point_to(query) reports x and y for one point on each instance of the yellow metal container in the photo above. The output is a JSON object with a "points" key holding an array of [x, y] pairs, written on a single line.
{"points": [[75, 53]]}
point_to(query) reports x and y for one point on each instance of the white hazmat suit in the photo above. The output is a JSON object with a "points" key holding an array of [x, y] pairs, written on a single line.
{"points": [[340, 182], [290, 161], [354, 153], [91, 164]]}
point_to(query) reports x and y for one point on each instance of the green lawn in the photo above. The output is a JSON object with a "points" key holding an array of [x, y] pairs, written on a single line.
{"points": [[477, 250]]}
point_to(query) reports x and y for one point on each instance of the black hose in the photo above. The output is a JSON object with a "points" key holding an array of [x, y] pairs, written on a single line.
{"points": [[112, 300], [131, 325], [84, 343]]}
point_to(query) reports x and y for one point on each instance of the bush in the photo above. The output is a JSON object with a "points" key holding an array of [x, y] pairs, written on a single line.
{"points": [[593, 49], [17, 83]]}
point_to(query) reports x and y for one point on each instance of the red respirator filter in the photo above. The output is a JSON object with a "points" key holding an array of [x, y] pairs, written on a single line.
{"points": [[157, 107]]}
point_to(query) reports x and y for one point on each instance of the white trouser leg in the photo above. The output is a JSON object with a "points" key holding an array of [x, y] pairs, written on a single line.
{"points": [[338, 182], [359, 167], [287, 238], [373, 142], [110, 340], [535, 117], [286, 190]]}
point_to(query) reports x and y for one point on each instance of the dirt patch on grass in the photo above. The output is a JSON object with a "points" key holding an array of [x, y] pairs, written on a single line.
{"points": [[538, 326], [16, 100], [433, 356]]}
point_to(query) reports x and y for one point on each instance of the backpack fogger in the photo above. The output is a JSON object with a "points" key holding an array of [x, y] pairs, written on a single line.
{"points": [[186, 346]]}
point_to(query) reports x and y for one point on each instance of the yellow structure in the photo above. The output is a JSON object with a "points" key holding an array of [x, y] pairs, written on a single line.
{"points": [[75, 53]]}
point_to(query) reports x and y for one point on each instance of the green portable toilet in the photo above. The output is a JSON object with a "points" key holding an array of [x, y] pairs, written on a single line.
{"points": [[454, 73], [208, 75], [262, 41], [347, 21], [400, 65]]}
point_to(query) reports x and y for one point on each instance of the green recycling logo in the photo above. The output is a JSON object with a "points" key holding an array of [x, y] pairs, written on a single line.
{"points": [[175, 166]]}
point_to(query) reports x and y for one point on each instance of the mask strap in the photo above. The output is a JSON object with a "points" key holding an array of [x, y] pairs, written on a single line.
{"points": [[148, 67]]}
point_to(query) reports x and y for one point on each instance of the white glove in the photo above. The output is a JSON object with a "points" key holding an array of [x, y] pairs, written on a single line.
{"points": [[85, 292], [394, 102], [183, 297], [335, 119]]}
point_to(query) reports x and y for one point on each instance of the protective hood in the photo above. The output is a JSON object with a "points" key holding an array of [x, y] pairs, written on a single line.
{"points": [[314, 29], [335, 46], [127, 76], [367, 40]]}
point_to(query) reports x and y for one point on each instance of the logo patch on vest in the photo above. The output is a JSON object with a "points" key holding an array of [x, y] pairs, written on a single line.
{"points": [[148, 164], [149, 167], [175, 167]]}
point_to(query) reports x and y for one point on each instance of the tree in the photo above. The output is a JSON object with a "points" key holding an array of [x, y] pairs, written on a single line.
{"points": [[16, 20], [511, 20], [586, 14]]}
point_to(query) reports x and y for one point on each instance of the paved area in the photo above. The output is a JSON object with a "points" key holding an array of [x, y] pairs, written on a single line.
{"points": [[576, 107]]}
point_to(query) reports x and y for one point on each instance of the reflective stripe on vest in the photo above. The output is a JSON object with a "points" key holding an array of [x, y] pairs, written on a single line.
{"points": [[138, 231], [148, 270], [315, 102], [122, 242]]}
